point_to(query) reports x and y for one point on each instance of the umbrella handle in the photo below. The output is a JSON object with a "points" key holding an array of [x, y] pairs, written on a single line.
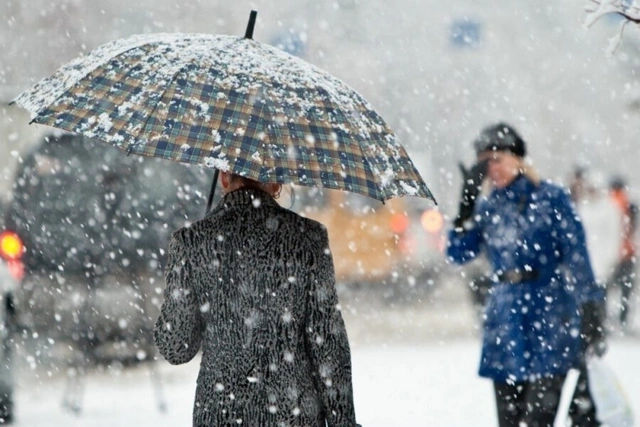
{"points": [[252, 23], [212, 192]]}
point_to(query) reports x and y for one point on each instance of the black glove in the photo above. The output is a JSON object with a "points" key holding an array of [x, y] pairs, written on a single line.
{"points": [[592, 328], [472, 181]]}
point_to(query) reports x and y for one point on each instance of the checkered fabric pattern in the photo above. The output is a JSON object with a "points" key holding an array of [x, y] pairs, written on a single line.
{"points": [[229, 103]]}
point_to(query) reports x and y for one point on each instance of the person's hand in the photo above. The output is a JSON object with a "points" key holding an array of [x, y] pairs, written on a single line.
{"points": [[592, 328], [472, 181]]}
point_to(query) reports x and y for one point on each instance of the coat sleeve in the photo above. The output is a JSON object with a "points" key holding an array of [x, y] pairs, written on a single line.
{"points": [[178, 330], [573, 247], [465, 245], [326, 339]]}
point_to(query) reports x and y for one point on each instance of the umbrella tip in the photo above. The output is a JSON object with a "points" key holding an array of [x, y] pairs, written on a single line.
{"points": [[252, 23]]}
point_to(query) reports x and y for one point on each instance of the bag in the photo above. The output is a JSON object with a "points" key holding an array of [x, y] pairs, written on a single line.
{"points": [[612, 405], [566, 396]]}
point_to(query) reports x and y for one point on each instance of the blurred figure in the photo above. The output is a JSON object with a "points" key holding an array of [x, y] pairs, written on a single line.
{"points": [[533, 239], [600, 217], [624, 275], [253, 285], [577, 184]]}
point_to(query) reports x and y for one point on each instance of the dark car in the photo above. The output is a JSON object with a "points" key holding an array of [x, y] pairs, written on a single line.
{"points": [[95, 224]]}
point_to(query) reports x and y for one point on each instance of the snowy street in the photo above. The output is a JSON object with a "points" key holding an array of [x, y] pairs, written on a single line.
{"points": [[421, 385], [279, 186], [423, 376]]}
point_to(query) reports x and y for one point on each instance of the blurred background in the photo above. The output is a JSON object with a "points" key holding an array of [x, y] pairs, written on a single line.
{"points": [[437, 71]]}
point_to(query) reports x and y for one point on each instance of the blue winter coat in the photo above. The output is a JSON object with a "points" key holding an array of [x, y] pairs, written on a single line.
{"points": [[532, 328]]}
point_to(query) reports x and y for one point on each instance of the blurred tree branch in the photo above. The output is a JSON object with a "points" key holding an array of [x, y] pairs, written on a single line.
{"points": [[599, 8]]}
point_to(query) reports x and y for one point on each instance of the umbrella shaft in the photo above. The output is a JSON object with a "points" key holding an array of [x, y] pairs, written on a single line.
{"points": [[212, 192], [252, 22]]}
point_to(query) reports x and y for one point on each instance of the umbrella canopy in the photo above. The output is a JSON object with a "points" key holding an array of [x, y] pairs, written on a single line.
{"points": [[229, 103]]}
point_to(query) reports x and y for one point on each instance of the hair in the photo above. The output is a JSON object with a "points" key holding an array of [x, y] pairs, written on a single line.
{"points": [[234, 177], [530, 172], [248, 182]]}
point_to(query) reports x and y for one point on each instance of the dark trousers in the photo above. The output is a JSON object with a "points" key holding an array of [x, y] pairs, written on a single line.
{"points": [[535, 403], [624, 277]]}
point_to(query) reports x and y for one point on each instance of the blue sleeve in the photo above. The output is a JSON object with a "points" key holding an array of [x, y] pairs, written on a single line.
{"points": [[573, 247], [464, 246]]}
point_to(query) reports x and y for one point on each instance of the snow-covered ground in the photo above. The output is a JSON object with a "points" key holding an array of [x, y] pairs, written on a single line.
{"points": [[424, 374], [400, 385]]}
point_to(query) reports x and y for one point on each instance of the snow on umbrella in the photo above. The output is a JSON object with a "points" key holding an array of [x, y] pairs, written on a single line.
{"points": [[229, 103]]}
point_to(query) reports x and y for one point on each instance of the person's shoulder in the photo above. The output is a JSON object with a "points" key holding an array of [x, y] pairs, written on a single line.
{"points": [[188, 234], [181, 235], [315, 234], [551, 190], [303, 224], [314, 227]]}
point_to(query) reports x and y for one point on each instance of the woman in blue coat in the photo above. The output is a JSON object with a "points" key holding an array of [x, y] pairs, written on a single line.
{"points": [[545, 310]]}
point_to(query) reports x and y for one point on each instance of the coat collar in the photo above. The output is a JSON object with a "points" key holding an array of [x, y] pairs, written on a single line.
{"points": [[521, 185], [247, 196]]}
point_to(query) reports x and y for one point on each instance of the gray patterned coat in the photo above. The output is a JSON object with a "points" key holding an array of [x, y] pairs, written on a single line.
{"points": [[252, 284]]}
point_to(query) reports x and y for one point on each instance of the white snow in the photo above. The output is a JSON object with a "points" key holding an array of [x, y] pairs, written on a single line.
{"points": [[290, 89], [432, 384], [414, 365], [218, 163], [249, 63]]}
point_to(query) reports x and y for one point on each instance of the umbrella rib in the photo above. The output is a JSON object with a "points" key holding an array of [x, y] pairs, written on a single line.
{"points": [[366, 159], [66, 89], [155, 107]]}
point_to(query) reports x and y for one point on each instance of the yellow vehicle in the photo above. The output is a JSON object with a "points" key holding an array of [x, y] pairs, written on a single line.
{"points": [[400, 241]]}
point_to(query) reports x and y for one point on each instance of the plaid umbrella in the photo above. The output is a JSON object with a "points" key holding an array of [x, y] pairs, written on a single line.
{"points": [[229, 103]]}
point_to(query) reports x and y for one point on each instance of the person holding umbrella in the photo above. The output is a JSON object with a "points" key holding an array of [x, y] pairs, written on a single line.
{"points": [[545, 312], [252, 284]]}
